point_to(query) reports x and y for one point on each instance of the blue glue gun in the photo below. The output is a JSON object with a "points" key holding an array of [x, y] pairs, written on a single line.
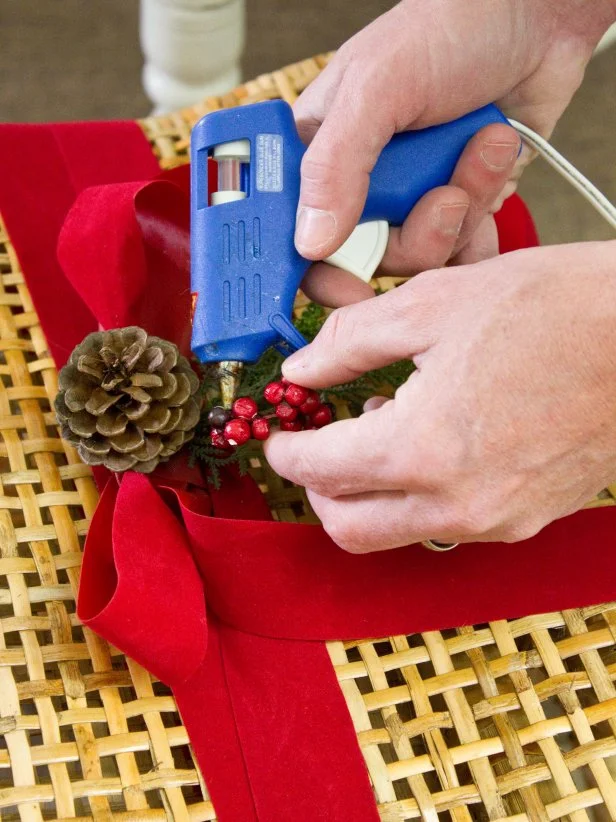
{"points": [[245, 270]]}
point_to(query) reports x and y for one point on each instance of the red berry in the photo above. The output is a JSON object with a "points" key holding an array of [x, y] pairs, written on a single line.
{"points": [[237, 432], [296, 395], [286, 412], [322, 416], [245, 408], [291, 425], [217, 438], [274, 392], [260, 428], [218, 416], [285, 381], [310, 404]]}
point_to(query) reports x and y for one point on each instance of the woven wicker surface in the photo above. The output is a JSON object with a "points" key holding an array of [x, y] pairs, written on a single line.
{"points": [[515, 720]]}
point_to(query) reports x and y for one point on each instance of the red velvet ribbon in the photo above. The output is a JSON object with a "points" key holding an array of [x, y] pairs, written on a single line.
{"points": [[228, 607]]}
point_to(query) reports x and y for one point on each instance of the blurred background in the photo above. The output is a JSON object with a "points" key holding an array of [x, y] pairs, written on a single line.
{"points": [[81, 59]]}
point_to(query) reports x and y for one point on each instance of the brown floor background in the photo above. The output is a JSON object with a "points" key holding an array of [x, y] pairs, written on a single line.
{"points": [[80, 59]]}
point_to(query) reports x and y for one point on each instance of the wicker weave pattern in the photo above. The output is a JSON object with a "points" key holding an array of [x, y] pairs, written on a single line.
{"points": [[86, 732], [511, 720], [170, 135], [515, 720]]}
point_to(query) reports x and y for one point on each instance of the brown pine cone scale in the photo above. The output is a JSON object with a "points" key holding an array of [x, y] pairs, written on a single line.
{"points": [[127, 400]]}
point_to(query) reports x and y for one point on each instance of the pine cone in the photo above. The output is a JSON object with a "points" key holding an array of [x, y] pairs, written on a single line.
{"points": [[127, 400]]}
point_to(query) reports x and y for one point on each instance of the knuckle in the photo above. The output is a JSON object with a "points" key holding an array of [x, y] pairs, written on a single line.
{"points": [[312, 471], [343, 533], [322, 185], [472, 518], [520, 531], [335, 327], [338, 336], [316, 167], [321, 178]]}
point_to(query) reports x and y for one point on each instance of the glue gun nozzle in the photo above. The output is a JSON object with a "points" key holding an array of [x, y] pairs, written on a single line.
{"points": [[229, 375]]}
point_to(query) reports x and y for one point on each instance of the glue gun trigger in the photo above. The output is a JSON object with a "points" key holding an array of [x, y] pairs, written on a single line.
{"points": [[291, 339], [362, 252]]}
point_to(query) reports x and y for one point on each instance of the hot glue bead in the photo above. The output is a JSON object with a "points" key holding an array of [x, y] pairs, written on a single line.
{"points": [[260, 428], [291, 425], [322, 416], [237, 432], [310, 404], [217, 438], [218, 416], [286, 412], [245, 408], [296, 395], [274, 392]]}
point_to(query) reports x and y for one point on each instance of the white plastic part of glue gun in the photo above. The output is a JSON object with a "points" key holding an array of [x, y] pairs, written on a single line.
{"points": [[229, 157], [363, 251]]}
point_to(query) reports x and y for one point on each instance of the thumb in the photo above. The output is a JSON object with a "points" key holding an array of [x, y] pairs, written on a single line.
{"points": [[371, 334], [335, 171]]}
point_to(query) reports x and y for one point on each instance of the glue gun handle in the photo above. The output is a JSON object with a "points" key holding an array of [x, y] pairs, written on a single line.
{"points": [[415, 162]]}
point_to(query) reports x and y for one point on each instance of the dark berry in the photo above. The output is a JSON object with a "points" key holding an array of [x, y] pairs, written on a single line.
{"points": [[322, 416], [310, 404], [260, 428], [245, 408], [217, 438], [274, 392], [237, 432], [286, 412], [291, 425], [296, 395], [218, 416]]}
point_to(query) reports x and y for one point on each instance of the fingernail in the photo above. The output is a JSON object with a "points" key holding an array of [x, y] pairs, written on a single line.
{"points": [[314, 229], [499, 156], [451, 217], [373, 403]]}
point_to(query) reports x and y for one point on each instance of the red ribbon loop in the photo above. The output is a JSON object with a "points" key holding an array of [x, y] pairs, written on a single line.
{"points": [[140, 587], [125, 248]]}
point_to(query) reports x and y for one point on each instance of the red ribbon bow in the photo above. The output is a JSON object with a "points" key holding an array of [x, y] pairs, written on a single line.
{"points": [[227, 606]]}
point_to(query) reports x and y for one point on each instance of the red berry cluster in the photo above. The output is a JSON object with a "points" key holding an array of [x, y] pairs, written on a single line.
{"points": [[295, 408], [235, 426]]}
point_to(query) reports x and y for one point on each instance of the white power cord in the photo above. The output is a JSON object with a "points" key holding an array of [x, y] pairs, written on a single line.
{"points": [[598, 200]]}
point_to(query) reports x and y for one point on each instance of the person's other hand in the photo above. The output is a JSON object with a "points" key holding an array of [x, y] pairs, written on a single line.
{"points": [[417, 65], [508, 423]]}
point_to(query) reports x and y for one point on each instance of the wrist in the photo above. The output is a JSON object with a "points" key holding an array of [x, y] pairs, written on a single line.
{"points": [[589, 21]]}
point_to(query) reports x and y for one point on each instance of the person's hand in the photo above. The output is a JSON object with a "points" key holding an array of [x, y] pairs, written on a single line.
{"points": [[425, 63], [508, 423]]}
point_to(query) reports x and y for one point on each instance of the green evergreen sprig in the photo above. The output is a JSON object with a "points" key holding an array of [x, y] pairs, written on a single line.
{"points": [[383, 381]]}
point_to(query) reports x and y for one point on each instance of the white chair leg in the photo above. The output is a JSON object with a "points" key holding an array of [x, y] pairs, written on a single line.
{"points": [[192, 49], [609, 39]]}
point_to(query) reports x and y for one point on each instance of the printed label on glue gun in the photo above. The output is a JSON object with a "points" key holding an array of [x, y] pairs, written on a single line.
{"points": [[269, 162]]}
